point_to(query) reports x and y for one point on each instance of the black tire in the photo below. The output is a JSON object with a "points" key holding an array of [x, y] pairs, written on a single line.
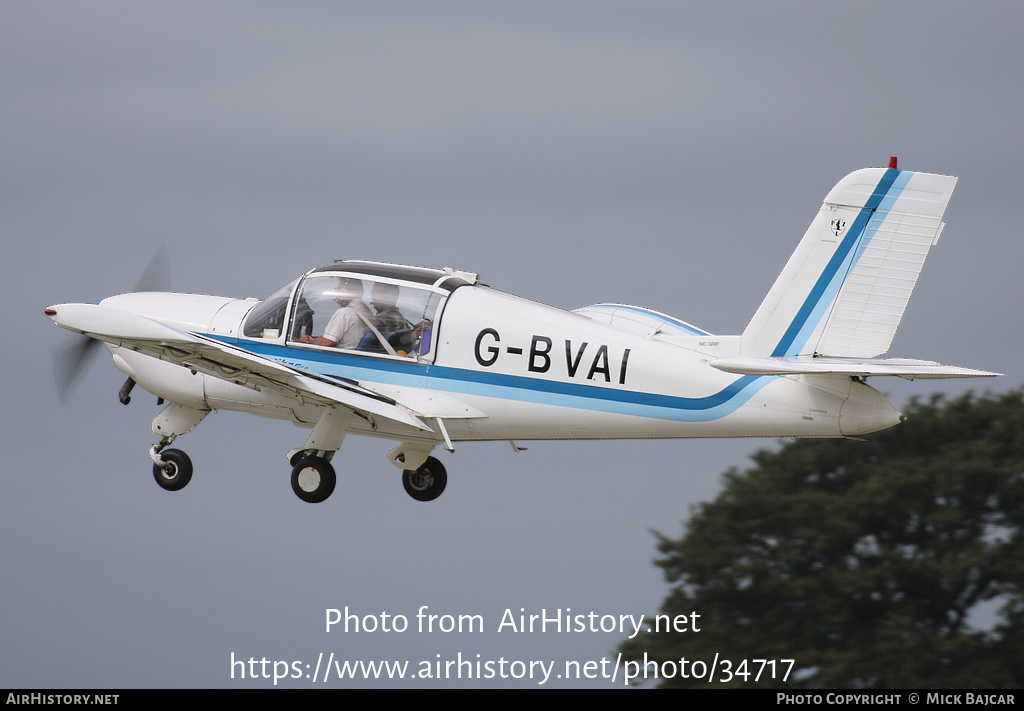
{"points": [[427, 482], [313, 479], [178, 472]]}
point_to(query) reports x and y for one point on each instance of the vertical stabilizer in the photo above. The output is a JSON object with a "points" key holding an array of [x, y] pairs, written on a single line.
{"points": [[844, 290]]}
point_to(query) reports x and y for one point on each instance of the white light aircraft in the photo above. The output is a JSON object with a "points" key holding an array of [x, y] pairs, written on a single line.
{"points": [[430, 357]]}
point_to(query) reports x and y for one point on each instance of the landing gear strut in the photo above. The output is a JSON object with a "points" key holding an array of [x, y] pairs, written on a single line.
{"points": [[172, 468], [427, 482]]}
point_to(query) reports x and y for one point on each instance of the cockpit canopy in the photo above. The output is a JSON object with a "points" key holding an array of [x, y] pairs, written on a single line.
{"points": [[366, 307]]}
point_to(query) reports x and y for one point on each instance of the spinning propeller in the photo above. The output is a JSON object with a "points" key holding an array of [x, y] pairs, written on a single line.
{"points": [[72, 358]]}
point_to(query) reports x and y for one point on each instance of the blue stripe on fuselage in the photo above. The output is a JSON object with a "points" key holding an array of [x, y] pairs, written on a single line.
{"points": [[514, 387], [846, 255], [686, 328]]}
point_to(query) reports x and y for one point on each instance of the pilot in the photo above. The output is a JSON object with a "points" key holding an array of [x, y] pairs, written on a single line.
{"points": [[384, 298], [351, 322]]}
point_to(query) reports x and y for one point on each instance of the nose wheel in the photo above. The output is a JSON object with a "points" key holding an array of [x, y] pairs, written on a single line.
{"points": [[173, 471], [427, 482]]}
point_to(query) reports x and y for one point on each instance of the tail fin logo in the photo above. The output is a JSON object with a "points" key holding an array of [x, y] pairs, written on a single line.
{"points": [[838, 226]]}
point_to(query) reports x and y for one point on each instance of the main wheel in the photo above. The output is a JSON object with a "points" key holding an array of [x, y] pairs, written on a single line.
{"points": [[427, 482], [178, 470], [313, 479]]}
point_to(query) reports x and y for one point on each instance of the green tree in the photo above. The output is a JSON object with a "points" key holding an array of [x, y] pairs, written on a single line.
{"points": [[893, 562]]}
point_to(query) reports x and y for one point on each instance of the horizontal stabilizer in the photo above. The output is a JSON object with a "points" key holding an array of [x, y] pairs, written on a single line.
{"points": [[796, 365]]}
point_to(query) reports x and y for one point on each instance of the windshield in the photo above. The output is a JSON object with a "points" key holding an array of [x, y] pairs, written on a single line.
{"points": [[266, 319]]}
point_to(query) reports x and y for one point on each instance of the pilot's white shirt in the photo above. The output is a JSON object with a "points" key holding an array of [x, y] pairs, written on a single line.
{"points": [[345, 326]]}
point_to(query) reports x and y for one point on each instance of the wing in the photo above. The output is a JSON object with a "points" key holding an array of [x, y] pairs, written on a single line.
{"points": [[794, 365], [227, 362]]}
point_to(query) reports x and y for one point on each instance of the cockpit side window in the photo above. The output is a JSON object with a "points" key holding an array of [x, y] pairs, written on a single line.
{"points": [[367, 315], [267, 318]]}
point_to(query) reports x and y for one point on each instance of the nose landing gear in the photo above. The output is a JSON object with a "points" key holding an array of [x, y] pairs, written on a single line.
{"points": [[174, 470]]}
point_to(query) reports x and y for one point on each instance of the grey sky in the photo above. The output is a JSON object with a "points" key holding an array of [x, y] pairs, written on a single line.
{"points": [[666, 154]]}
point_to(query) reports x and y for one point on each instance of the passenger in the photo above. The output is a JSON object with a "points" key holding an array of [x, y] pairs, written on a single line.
{"points": [[351, 322], [384, 298]]}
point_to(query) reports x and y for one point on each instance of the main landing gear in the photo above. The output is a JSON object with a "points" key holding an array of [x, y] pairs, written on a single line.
{"points": [[313, 478], [427, 482]]}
